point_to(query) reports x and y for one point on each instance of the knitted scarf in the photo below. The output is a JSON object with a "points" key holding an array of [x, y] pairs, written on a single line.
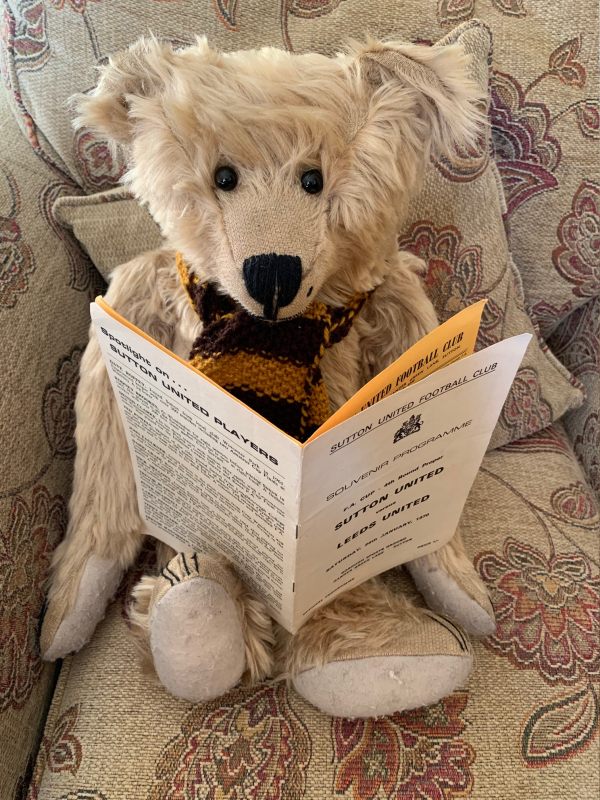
{"points": [[273, 367]]}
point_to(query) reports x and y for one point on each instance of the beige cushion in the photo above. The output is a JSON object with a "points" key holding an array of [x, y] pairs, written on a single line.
{"points": [[111, 226], [523, 728], [45, 284]]}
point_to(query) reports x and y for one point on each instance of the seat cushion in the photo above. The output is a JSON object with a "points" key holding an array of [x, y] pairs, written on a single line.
{"points": [[524, 727]]}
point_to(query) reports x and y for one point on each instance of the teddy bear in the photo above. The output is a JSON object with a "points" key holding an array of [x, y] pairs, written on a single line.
{"points": [[280, 182]]}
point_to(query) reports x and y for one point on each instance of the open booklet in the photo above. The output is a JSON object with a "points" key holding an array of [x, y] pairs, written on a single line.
{"points": [[382, 482]]}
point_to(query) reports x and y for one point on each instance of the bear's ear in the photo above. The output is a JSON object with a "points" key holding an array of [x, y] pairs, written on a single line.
{"points": [[141, 71], [450, 103]]}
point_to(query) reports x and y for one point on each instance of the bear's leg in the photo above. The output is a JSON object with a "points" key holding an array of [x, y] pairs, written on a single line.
{"points": [[450, 585], [105, 531], [79, 602], [373, 652], [203, 630]]}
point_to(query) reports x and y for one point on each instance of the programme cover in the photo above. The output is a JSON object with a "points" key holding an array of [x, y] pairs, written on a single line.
{"points": [[382, 482]]}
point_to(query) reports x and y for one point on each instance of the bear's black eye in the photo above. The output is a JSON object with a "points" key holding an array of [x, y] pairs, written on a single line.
{"points": [[226, 178], [312, 181]]}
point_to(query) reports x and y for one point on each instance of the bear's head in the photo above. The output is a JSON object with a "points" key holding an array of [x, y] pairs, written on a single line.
{"points": [[283, 177]]}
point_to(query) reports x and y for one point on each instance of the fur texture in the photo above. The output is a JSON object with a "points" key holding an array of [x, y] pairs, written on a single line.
{"points": [[256, 624], [365, 619], [369, 119]]}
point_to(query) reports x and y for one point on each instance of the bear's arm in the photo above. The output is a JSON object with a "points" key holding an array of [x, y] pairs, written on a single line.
{"points": [[396, 315]]}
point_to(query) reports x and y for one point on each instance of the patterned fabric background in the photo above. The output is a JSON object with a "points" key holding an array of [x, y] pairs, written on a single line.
{"points": [[545, 108], [45, 288], [525, 728], [577, 343], [528, 721]]}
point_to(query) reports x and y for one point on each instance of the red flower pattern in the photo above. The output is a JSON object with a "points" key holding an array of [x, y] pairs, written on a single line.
{"points": [[549, 440], [563, 63], [454, 275], [525, 409], [25, 548], [465, 164], [99, 167], [577, 341], [77, 5], [588, 117], [587, 447], [548, 315], [452, 11], [577, 257], [512, 8], [227, 13], [247, 744], [416, 755], [306, 9], [60, 751], [16, 258], [58, 406], [24, 34], [526, 153], [575, 503], [547, 611], [309, 9]]}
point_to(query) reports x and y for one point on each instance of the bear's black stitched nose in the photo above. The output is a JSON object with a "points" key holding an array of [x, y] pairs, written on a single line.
{"points": [[272, 280]]}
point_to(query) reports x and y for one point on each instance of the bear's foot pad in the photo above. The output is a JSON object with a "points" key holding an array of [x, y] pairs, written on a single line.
{"points": [[62, 633], [382, 684], [196, 635]]}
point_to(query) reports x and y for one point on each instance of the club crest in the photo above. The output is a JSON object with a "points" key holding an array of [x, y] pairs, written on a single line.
{"points": [[412, 425]]}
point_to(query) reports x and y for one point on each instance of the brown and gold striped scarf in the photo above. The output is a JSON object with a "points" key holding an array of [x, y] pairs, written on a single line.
{"points": [[273, 367]]}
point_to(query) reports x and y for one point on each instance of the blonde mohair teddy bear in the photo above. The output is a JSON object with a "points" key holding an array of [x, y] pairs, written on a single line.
{"points": [[260, 160]]}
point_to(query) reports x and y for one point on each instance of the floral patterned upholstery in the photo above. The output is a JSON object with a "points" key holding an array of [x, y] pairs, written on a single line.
{"points": [[527, 724], [524, 727], [577, 343], [45, 287]]}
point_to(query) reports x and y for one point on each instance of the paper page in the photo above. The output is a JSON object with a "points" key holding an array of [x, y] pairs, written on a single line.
{"points": [[449, 342], [389, 484], [211, 475]]}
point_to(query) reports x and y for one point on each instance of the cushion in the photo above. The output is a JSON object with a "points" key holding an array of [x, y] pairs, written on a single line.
{"points": [[524, 727], [455, 225], [545, 108], [577, 342], [111, 226], [546, 127], [45, 282]]}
